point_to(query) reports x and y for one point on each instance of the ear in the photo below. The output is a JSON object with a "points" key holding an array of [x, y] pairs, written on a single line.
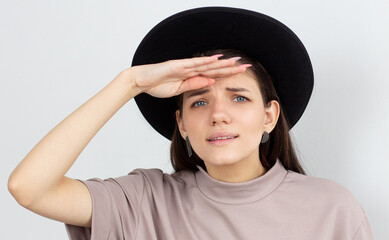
{"points": [[271, 116], [180, 125]]}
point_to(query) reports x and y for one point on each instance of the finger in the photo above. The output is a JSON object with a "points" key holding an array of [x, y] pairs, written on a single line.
{"points": [[218, 64], [195, 83], [198, 61], [222, 72]]}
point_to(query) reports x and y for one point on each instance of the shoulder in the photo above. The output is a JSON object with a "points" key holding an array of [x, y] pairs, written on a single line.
{"points": [[316, 184], [155, 177], [326, 194], [141, 182], [320, 187]]}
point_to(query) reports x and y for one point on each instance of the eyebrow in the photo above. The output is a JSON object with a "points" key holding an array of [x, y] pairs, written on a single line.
{"points": [[200, 92]]}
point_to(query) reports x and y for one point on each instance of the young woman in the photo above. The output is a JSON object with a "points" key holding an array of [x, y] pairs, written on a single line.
{"points": [[225, 85]]}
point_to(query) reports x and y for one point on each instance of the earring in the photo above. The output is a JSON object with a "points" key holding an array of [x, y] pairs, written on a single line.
{"points": [[265, 137], [188, 147]]}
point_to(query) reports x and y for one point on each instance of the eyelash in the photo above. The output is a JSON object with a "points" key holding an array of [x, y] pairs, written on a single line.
{"points": [[246, 99]]}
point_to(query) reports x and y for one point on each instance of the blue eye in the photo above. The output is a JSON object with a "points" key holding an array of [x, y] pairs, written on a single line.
{"points": [[198, 104], [241, 98]]}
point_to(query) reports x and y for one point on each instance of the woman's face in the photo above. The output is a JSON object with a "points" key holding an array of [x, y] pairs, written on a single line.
{"points": [[231, 107]]}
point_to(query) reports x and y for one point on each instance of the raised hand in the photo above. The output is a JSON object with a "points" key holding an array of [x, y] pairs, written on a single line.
{"points": [[174, 77]]}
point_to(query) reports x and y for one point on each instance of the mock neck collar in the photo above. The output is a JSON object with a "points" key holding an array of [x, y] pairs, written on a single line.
{"points": [[243, 192]]}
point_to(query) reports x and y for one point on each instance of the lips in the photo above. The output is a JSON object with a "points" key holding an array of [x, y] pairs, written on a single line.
{"points": [[221, 136]]}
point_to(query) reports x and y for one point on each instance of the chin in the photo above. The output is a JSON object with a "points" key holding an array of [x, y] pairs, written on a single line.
{"points": [[221, 160]]}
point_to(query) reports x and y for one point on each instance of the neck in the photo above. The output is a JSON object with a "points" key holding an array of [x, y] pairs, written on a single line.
{"points": [[241, 171]]}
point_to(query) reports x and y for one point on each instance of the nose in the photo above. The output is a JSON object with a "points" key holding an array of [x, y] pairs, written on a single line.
{"points": [[219, 113]]}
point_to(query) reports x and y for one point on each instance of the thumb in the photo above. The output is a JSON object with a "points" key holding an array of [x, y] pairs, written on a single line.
{"points": [[195, 83]]}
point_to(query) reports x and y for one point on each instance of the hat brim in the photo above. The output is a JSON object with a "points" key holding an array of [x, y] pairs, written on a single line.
{"points": [[261, 37]]}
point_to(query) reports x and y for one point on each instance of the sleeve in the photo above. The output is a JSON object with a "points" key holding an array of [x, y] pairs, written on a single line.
{"points": [[364, 231], [115, 208]]}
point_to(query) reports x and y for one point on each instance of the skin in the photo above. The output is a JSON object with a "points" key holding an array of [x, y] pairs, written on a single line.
{"points": [[241, 113]]}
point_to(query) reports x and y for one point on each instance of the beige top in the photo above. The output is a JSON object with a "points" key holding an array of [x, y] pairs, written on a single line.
{"points": [[148, 204]]}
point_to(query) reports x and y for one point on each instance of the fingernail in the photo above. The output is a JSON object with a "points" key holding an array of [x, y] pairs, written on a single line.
{"points": [[235, 58], [217, 55], [245, 65]]}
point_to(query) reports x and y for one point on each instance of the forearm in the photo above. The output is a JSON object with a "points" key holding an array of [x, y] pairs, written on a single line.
{"points": [[47, 163]]}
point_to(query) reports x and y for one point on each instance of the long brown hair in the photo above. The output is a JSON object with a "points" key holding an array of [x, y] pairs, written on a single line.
{"points": [[279, 144]]}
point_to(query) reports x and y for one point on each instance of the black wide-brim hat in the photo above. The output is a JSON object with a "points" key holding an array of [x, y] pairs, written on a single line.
{"points": [[259, 36]]}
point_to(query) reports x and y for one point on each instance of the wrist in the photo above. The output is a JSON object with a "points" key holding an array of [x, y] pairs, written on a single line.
{"points": [[127, 77]]}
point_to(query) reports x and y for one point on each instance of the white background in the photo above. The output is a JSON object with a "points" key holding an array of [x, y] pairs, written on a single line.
{"points": [[55, 55]]}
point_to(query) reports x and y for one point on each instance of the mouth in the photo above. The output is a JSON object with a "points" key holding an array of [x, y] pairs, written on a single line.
{"points": [[220, 141], [221, 138]]}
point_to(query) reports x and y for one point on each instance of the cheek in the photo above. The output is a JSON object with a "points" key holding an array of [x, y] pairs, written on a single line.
{"points": [[193, 122], [251, 128], [251, 120], [195, 125]]}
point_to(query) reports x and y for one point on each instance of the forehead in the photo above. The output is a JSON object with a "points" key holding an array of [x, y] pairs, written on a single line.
{"points": [[241, 80]]}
